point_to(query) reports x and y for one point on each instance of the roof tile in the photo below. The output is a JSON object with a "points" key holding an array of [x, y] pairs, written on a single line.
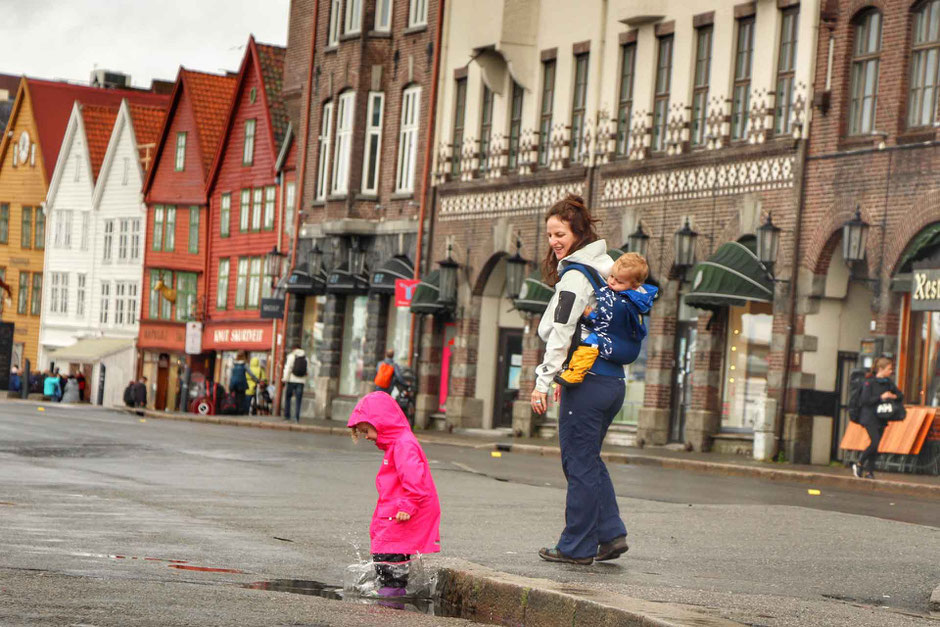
{"points": [[99, 122], [148, 121], [272, 73], [211, 96]]}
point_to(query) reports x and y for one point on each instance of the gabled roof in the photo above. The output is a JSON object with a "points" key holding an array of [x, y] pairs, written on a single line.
{"points": [[52, 105], [268, 62], [271, 60], [98, 121], [147, 121], [211, 97]]}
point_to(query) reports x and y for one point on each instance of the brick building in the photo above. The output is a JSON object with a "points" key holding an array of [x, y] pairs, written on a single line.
{"points": [[358, 86], [692, 114]]}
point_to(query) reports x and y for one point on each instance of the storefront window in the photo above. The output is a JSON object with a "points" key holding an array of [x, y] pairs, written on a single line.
{"points": [[313, 337], [399, 331], [745, 369], [354, 338], [922, 378]]}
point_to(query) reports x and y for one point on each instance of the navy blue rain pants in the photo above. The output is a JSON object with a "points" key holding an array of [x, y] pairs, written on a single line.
{"points": [[591, 513]]}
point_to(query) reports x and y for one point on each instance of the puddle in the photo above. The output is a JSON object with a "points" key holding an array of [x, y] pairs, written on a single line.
{"points": [[410, 603]]}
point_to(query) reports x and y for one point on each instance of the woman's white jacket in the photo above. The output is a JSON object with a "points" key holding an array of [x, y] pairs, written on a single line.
{"points": [[572, 294]]}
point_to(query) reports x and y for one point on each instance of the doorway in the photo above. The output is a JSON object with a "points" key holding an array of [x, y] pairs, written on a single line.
{"points": [[846, 363], [163, 381], [508, 373], [682, 384]]}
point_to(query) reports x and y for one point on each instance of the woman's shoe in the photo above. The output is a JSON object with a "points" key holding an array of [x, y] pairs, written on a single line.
{"points": [[554, 555], [612, 550], [869, 475], [856, 470]]}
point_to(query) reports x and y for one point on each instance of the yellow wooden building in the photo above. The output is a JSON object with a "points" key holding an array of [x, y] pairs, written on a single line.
{"points": [[28, 153]]}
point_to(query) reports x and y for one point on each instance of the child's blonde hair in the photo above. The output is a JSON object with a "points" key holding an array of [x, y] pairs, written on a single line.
{"points": [[633, 265]]}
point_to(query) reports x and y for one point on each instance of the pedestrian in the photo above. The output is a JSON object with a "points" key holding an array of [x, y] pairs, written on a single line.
{"points": [[254, 374], [593, 527], [407, 517], [238, 382], [80, 377], [140, 394], [129, 393], [15, 382], [295, 377], [51, 388], [70, 393], [881, 401], [387, 373], [62, 381]]}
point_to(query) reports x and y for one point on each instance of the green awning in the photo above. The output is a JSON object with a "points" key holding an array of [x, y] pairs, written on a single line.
{"points": [[731, 277], [426, 294], [534, 295], [920, 247], [398, 267]]}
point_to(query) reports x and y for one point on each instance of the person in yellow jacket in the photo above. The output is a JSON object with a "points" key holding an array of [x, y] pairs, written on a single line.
{"points": [[255, 376]]}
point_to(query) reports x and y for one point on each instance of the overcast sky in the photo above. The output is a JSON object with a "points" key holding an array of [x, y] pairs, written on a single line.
{"points": [[144, 38]]}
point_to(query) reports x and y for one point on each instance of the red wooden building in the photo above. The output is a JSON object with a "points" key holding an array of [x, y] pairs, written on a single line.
{"points": [[176, 251], [246, 195]]}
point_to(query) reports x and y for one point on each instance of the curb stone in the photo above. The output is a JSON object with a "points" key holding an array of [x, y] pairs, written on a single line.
{"points": [[478, 593], [881, 486], [935, 601]]}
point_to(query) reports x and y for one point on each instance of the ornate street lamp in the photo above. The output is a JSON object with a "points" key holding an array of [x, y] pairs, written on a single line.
{"points": [[768, 242], [515, 273], [273, 263], [315, 260], [448, 280], [854, 238], [685, 246], [639, 241]]}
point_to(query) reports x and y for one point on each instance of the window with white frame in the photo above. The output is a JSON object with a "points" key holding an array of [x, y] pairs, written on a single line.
{"points": [[256, 198], [62, 229], [408, 139], [270, 193], [59, 293], [515, 124], [248, 155], [244, 211], [125, 303], [180, 162], [108, 240], [332, 36], [417, 13], [105, 302], [579, 107], [383, 15], [221, 297], [323, 159], [135, 239], [124, 239], [353, 16], [225, 215], [344, 119], [185, 296], [661, 93], [290, 197], [486, 128], [786, 70], [80, 295], [254, 283], [373, 149], [741, 95], [865, 65], [241, 283], [119, 310]]}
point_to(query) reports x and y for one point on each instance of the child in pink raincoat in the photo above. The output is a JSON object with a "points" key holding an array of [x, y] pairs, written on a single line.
{"points": [[407, 516]]}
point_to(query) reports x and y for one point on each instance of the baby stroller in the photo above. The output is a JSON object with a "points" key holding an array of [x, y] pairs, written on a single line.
{"points": [[261, 401], [405, 389]]}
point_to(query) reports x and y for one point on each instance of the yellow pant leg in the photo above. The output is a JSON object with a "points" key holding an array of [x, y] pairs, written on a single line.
{"points": [[581, 361]]}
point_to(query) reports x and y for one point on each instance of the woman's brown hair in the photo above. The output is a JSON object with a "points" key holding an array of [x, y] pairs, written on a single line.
{"points": [[570, 209], [881, 362]]}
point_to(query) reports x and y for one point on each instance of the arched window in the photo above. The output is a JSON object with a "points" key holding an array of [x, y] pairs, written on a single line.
{"points": [[866, 57], [925, 54]]}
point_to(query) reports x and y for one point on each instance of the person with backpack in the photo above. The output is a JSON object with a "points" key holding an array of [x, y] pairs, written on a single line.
{"points": [[238, 383], [255, 375], [295, 377], [387, 373], [878, 401], [593, 527]]}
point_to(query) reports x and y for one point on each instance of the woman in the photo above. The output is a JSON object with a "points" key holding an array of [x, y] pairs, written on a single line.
{"points": [[878, 391], [593, 528]]}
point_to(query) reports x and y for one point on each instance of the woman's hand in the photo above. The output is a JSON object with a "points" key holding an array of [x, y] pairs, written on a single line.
{"points": [[888, 395], [556, 394], [538, 401], [402, 516]]}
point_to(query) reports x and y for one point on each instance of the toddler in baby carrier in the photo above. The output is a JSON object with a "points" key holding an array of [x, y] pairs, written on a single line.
{"points": [[616, 327]]}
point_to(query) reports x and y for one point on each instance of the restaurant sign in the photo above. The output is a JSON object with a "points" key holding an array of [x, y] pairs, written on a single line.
{"points": [[925, 290]]}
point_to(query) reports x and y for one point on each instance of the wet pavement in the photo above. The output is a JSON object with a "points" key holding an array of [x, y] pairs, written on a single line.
{"points": [[111, 520]]}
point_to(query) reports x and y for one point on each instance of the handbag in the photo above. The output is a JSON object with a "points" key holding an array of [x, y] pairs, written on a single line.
{"points": [[891, 411]]}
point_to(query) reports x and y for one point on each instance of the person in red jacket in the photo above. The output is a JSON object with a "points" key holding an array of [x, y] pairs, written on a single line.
{"points": [[407, 517]]}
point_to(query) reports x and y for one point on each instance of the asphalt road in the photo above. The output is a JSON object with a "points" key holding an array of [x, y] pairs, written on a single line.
{"points": [[99, 510]]}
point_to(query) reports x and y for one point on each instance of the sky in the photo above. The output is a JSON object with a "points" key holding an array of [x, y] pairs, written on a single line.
{"points": [[67, 39]]}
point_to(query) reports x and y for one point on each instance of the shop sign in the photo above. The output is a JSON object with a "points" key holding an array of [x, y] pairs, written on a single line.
{"points": [[405, 291], [238, 338], [193, 338], [925, 292], [272, 308]]}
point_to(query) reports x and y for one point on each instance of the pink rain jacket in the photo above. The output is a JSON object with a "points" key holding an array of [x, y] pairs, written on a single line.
{"points": [[404, 482]]}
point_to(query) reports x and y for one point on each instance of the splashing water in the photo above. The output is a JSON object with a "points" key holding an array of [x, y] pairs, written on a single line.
{"points": [[362, 580]]}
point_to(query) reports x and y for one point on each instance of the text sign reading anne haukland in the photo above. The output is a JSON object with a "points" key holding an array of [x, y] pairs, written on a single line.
{"points": [[925, 291]]}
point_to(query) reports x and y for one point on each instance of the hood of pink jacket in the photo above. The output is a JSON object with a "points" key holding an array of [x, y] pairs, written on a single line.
{"points": [[404, 482]]}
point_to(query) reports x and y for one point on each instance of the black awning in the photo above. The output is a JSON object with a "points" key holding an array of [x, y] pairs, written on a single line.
{"points": [[733, 276], [425, 300], [341, 281], [383, 279], [300, 282]]}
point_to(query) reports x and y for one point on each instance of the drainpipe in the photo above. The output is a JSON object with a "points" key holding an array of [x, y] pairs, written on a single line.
{"points": [[428, 147], [298, 197]]}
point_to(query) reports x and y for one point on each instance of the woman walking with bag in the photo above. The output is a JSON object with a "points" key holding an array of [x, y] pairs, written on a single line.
{"points": [[593, 528], [881, 402]]}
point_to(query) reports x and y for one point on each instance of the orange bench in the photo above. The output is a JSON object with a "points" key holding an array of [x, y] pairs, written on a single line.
{"points": [[902, 437]]}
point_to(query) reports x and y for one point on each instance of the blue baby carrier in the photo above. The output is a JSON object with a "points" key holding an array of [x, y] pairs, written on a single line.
{"points": [[619, 316]]}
